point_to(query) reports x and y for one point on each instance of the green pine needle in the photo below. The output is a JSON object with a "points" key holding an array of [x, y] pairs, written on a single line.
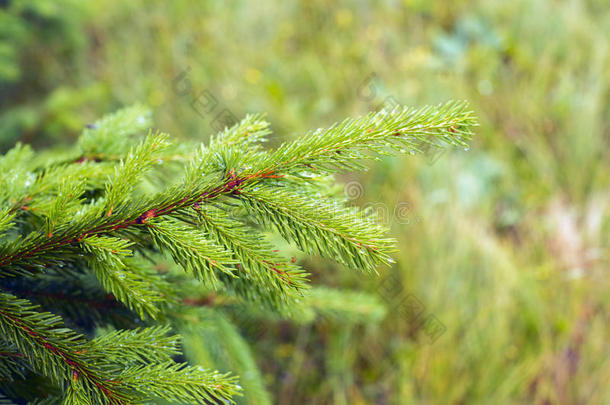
{"points": [[87, 234]]}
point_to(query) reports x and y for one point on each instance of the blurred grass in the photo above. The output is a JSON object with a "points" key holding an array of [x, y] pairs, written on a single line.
{"points": [[506, 244]]}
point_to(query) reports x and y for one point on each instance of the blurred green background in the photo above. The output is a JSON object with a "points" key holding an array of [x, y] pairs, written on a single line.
{"points": [[503, 248]]}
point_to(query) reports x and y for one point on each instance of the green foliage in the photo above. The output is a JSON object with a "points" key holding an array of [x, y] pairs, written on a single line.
{"points": [[121, 276], [104, 219], [507, 244]]}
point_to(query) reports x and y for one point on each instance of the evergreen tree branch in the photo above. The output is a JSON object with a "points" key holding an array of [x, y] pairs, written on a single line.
{"points": [[449, 123], [250, 131], [281, 277], [322, 227], [87, 221], [74, 293], [344, 145], [178, 382], [125, 277], [111, 134], [50, 348], [138, 161], [192, 249], [70, 360], [138, 346]]}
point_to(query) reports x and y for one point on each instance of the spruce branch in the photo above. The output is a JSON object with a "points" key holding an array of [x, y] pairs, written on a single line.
{"points": [[110, 136], [75, 293], [49, 347], [85, 234], [178, 382], [111, 265], [250, 131], [43, 186], [322, 227], [191, 249], [138, 346], [70, 360], [138, 161], [275, 277], [343, 146]]}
